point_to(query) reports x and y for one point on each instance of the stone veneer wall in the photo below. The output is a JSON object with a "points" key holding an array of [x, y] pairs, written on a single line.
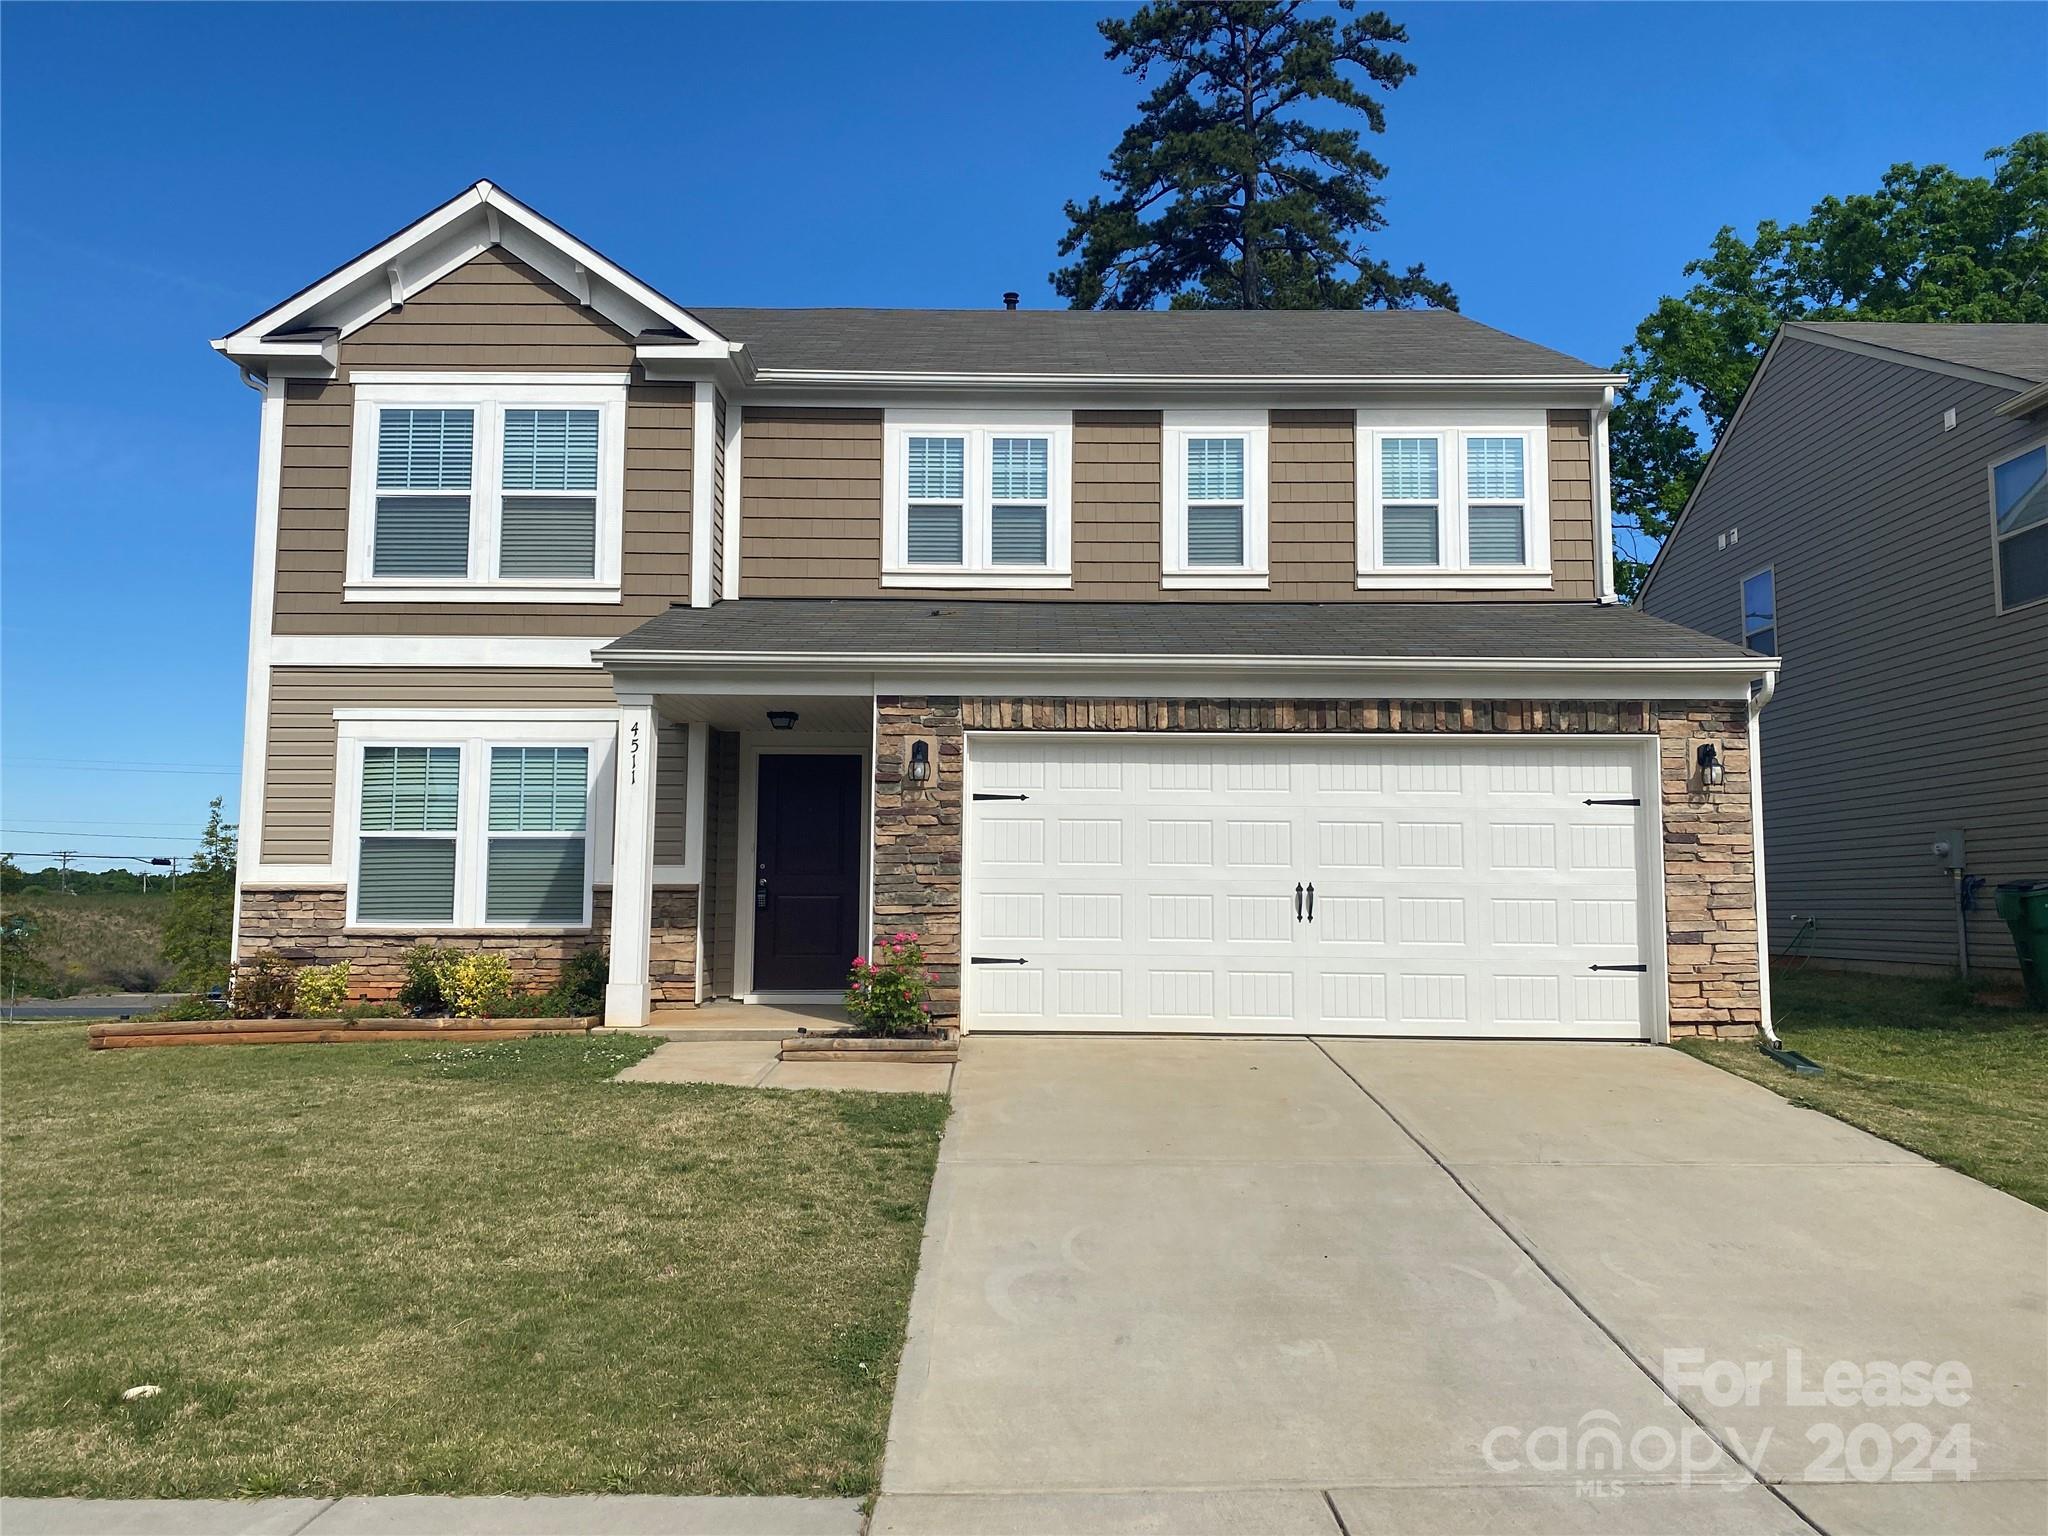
{"points": [[308, 926], [1709, 874], [672, 952]]}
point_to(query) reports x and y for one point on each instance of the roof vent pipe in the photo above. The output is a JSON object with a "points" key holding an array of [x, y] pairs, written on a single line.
{"points": [[1009, 301]]}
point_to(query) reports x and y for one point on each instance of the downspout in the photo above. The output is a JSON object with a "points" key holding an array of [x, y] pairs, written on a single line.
{"points": [[1757, 701], [1603, 494]]}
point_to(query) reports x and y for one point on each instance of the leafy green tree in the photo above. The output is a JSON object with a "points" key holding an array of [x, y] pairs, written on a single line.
{"points": [[1227, 195], [199, 932], [1928, 244]]}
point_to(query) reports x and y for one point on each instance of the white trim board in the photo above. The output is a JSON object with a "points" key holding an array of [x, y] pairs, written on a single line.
{"points": [[539, 652], [262, 649]]}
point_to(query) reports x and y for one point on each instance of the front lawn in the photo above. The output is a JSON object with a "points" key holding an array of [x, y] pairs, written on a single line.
{"points": [[1918, 1064], [444, 1269]]}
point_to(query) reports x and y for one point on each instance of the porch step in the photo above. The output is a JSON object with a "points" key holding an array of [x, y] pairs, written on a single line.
{"points": [[729, 1023]]}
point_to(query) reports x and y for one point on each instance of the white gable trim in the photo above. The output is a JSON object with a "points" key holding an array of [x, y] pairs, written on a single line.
{"points": [[426, 251]]}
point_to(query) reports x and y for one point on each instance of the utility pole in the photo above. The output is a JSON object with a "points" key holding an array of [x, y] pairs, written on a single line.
{"points": [[64, 858]]}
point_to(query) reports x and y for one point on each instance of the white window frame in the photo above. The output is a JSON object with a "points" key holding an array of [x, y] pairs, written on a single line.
{"points": [[2000, 605], [1742, 610], [980, 429], [1176, 572], [474, 733], [1454, 570], [487, 396]]}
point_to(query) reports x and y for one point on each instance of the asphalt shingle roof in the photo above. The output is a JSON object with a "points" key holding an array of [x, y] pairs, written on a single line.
{"points": [[1362, 631], [2020, 351], [1391, 343]]}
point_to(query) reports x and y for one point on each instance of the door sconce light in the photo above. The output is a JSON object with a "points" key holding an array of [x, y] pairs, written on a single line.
{"points": [[1711, 769], [782, 719], [920, 768]]}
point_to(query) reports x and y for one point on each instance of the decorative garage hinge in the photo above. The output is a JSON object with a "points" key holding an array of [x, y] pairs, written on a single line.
{"points": [[1614, 802], [1617, 967], [994, 960], [979, 796]]}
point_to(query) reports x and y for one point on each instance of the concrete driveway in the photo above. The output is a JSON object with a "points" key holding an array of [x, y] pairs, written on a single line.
{"points": [[1356, 1286]]}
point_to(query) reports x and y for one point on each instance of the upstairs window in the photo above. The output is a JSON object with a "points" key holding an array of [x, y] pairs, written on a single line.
{"points": [[1454, 504], [1213, 525], [982, 502], [1760, 612], [2019, 520], [486, 490]]}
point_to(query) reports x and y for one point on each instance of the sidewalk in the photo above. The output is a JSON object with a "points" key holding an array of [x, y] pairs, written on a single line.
{"points": [[624, 1514]]}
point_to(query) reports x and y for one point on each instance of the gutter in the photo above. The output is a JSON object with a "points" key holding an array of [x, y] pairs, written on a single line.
{"points": [[1734, 666], [2026, 402]]}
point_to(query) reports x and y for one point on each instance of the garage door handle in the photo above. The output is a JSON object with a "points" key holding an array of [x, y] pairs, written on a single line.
{"points": [[994, 960], [1615, 802], [1617, 968], [1311, 901], [1297, 901]]}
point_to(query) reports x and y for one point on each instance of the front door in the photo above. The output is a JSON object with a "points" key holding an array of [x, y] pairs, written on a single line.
{"points": [[807, 872]]}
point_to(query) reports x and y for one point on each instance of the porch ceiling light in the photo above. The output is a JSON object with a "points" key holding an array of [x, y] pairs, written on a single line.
{"points": [[782, 719], [920, 761], [1711, 769]]}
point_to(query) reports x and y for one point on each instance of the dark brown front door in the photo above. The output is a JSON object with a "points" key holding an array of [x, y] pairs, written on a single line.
{"points": [[807, 872]]}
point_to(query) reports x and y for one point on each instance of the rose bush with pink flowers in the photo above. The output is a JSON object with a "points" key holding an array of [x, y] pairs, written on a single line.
{"points": [[886, 995]]}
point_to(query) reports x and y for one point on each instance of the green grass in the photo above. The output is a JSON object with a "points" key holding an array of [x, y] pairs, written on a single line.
{"points": [[446, 1269], [1917, 1063]]}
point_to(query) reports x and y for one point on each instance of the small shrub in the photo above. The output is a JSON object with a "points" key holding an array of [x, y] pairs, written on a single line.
{"points": [[422, 993], [886, 995], [322, 991], [372, 1011], [478, 985], [190, 1010], [581, 989], [263, 987]]}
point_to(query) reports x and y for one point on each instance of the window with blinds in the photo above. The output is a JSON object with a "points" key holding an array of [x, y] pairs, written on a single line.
{"points": [[1020, 489], [1215, 496], [1496, 501], [424, 458], [1411, 502], [411, 804], [936, 487], [536, 853], [548, 480]]}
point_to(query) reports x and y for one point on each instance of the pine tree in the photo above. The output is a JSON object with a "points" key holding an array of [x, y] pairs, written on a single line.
{"points": [[1226, 196], [199, 933]]}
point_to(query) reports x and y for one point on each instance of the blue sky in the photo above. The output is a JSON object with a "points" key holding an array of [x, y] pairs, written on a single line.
{"points": [[171, 170]]}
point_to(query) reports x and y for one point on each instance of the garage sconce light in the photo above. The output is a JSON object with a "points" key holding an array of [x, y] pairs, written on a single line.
{"points": [[782, 719], [920, 762], [1711, 769]]}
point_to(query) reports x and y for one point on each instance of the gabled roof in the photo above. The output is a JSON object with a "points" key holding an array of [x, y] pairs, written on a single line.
{"points": [[2018, 352], [2009, 356], [1424, 344], [300, 334], [888, 629]]}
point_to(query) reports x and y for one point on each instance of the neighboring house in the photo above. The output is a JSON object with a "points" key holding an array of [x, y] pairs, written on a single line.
{"points": [[1168, 671], [1877, 514]]}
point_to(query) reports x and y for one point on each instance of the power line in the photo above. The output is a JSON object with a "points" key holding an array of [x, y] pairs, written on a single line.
{"points": [[118, 762], [210, 773], [117, 837]]}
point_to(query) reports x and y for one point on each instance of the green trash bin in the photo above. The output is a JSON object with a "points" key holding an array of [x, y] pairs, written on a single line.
{"points": [[2024, 906]]}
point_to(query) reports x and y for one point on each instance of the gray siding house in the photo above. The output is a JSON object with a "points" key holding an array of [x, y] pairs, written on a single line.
{"points": [[1877, 514]]}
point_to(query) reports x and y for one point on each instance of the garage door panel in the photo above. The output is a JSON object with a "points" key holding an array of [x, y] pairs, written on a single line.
{"points": [[1460, 889]]}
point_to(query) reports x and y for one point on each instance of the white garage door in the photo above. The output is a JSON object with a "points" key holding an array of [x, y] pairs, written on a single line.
{"points": [[1382, 886]]}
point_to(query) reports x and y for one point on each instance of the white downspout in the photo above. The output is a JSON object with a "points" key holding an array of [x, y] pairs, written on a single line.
{"points": [[1603, 494], [1757, 702]]}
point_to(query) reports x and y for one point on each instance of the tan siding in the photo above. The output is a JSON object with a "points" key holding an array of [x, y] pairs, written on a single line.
{"points": [[1312, 506], [722, 858], [812, 488], [672, 794], [1907, 707], [298, 781], [813, 493], [717, 490], [494, 311], [505, 298]]}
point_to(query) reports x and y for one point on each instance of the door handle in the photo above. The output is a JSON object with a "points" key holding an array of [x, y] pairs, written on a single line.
{"points": [[1297, 901], [761, 894], [1311, 901]]}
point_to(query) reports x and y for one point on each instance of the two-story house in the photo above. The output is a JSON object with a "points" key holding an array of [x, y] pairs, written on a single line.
{"points": [[1229, 672], [1877, 513]]}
